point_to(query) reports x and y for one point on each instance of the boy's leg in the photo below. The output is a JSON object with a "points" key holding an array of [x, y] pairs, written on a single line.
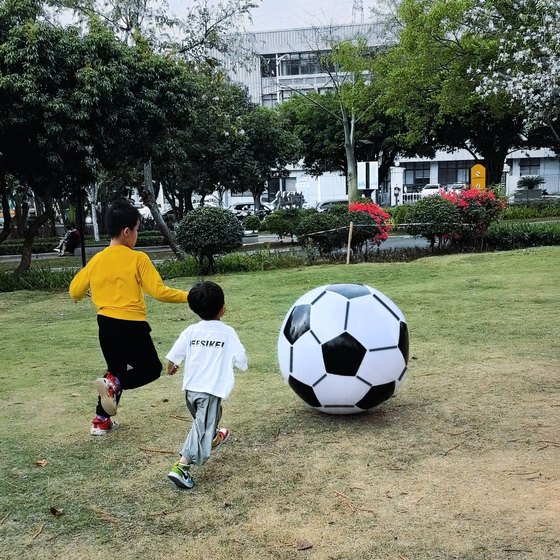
{"points": [[111, 334], [205, 410], [129, 351]]}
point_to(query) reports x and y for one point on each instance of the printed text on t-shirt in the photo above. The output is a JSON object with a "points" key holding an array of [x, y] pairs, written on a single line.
{"points": [[208, 343]]}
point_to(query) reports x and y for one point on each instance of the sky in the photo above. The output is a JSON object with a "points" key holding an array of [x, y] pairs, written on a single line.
{"points": [[288, 14]]}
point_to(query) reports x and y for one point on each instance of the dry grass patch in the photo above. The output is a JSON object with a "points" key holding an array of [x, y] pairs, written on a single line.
{"points": [[462, 464]]}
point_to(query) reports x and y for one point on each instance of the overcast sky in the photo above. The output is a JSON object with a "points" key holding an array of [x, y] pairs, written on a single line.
{"points": [[286, 14]]}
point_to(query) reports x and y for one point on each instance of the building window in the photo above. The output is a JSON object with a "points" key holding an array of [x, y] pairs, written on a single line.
{"points": [[416, 175], [453, 172], [530, 166], [293, 64], [270, 99]]}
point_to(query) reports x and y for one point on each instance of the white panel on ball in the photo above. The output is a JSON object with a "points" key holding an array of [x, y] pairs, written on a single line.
{"points": [[343, 348]]}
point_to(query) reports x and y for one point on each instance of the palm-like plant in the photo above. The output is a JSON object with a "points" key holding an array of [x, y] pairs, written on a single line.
{"points": [[530, 182]]}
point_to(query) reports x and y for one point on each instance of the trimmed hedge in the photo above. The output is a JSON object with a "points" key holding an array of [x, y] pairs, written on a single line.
{"points": [[505, 237], [11, 246]]}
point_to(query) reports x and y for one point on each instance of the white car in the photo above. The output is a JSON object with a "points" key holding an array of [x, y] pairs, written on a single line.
{"points": [[430, 189], [457, 187], [244, 209], [328, 204]]}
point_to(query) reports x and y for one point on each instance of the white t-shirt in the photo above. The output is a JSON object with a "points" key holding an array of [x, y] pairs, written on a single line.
{"points": [[210, 350]]}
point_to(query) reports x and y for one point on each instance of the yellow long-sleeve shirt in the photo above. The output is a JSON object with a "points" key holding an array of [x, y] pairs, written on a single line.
{"points": [[118, 277]]}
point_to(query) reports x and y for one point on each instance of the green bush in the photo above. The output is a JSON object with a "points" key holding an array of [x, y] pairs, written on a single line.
{"points": [[208, 231], [435, 218], [251, 223], [259, 260], [530, 211], [398, 214], [173, 268], [326, 231], [36, 278], [284, 222], [507, 236]]}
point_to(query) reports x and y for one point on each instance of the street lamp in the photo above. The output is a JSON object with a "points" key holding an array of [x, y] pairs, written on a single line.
{"points": [[278, 61]]}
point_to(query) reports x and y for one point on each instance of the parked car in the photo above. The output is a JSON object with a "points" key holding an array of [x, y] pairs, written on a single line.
{"points": [[430, 189], [457, 187], [244, 209], [328, 204]]}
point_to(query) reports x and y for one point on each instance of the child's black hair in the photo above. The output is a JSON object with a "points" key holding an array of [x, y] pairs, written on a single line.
{"points": [[206, 299], [120, 215]]}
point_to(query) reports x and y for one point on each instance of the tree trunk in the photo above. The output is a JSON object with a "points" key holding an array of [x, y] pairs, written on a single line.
{"points": [[5, 233], [93, 196], [351, 167], [30, 234], [494, 160], [149, 199]]}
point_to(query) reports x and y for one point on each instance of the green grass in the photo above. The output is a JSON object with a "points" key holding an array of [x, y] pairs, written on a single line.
{"points": [[462, 464]]}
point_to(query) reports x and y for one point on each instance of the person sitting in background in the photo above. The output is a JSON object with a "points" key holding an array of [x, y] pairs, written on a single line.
{"points": [[69, 242]]}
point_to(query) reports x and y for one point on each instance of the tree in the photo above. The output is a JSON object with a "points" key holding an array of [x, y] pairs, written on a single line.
{"points": [[527, 66], [44, 126], [425, 79], [378, 137], [146, 24], [205, 28], [264, 149], [206, 232]]}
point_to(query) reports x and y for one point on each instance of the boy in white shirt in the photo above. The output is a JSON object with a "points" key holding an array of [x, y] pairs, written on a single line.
{"points": [[210, 350]]}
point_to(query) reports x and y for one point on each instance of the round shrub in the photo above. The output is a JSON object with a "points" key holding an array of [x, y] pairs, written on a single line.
{"points": [[283, 222], [477, 210], [324, 230], [208, 231], [435, 218], [251, 223]]}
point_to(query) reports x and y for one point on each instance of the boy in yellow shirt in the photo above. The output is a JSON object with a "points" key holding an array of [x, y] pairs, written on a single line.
{"points": [[117, 277]]}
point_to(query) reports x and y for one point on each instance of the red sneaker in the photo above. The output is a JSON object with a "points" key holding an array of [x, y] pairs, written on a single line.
{"points": [[101, 426], [108, 388], [222, 435]]}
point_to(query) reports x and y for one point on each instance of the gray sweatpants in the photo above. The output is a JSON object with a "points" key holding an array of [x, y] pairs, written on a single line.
{"points": [[206, 411]]}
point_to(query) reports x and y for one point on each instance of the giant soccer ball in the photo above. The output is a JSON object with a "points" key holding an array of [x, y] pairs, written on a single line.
{"points": [[343, 348]]}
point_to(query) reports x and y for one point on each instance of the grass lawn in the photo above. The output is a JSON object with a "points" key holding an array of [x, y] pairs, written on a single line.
{"points": [[462, 464]]}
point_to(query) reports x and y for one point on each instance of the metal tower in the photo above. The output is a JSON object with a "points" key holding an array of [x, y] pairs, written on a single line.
{"points": [[358, 11]]}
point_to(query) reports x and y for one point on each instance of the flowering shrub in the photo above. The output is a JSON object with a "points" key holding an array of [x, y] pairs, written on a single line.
{"points": [[434, 218], [379, 216], [477, 210]]}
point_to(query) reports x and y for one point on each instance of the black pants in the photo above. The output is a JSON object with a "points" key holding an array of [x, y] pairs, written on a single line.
{"points": [[129, 352]]}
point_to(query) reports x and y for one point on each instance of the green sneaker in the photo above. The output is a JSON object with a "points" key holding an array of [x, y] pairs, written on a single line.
{"points": [[180, 476]]}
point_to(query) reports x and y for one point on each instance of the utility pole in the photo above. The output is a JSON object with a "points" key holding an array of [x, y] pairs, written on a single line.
{"points": [[358, 11]]}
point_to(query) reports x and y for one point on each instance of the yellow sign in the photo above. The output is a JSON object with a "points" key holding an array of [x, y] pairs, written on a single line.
{"points": [[478, 177]]}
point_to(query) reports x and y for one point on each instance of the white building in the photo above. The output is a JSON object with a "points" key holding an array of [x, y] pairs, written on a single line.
{"points": [[287, 64]]}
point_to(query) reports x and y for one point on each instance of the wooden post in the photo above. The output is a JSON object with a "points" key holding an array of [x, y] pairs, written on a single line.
{"points": [[349, 242]]}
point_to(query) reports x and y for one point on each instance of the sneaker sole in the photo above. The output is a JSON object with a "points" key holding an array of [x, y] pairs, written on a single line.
{"points": [[217, 446], [179, 481], [109, 405], [100, 432]]}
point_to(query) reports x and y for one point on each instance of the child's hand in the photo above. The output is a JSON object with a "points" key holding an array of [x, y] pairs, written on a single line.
{"points": [[171, 368]]}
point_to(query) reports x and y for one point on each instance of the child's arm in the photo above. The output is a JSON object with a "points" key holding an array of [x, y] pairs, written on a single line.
{"points": [[154, 286], [79, 285], [171, 368], [240, 357]]}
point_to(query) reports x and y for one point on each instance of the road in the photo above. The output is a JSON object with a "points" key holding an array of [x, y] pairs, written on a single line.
{"points": [[250, 242]]}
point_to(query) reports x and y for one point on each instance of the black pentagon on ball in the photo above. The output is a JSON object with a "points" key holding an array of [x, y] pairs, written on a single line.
{"points": [[304, 391], [343, 355], [376, 395], [349, 291], [403, 341], [298, 323]]}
